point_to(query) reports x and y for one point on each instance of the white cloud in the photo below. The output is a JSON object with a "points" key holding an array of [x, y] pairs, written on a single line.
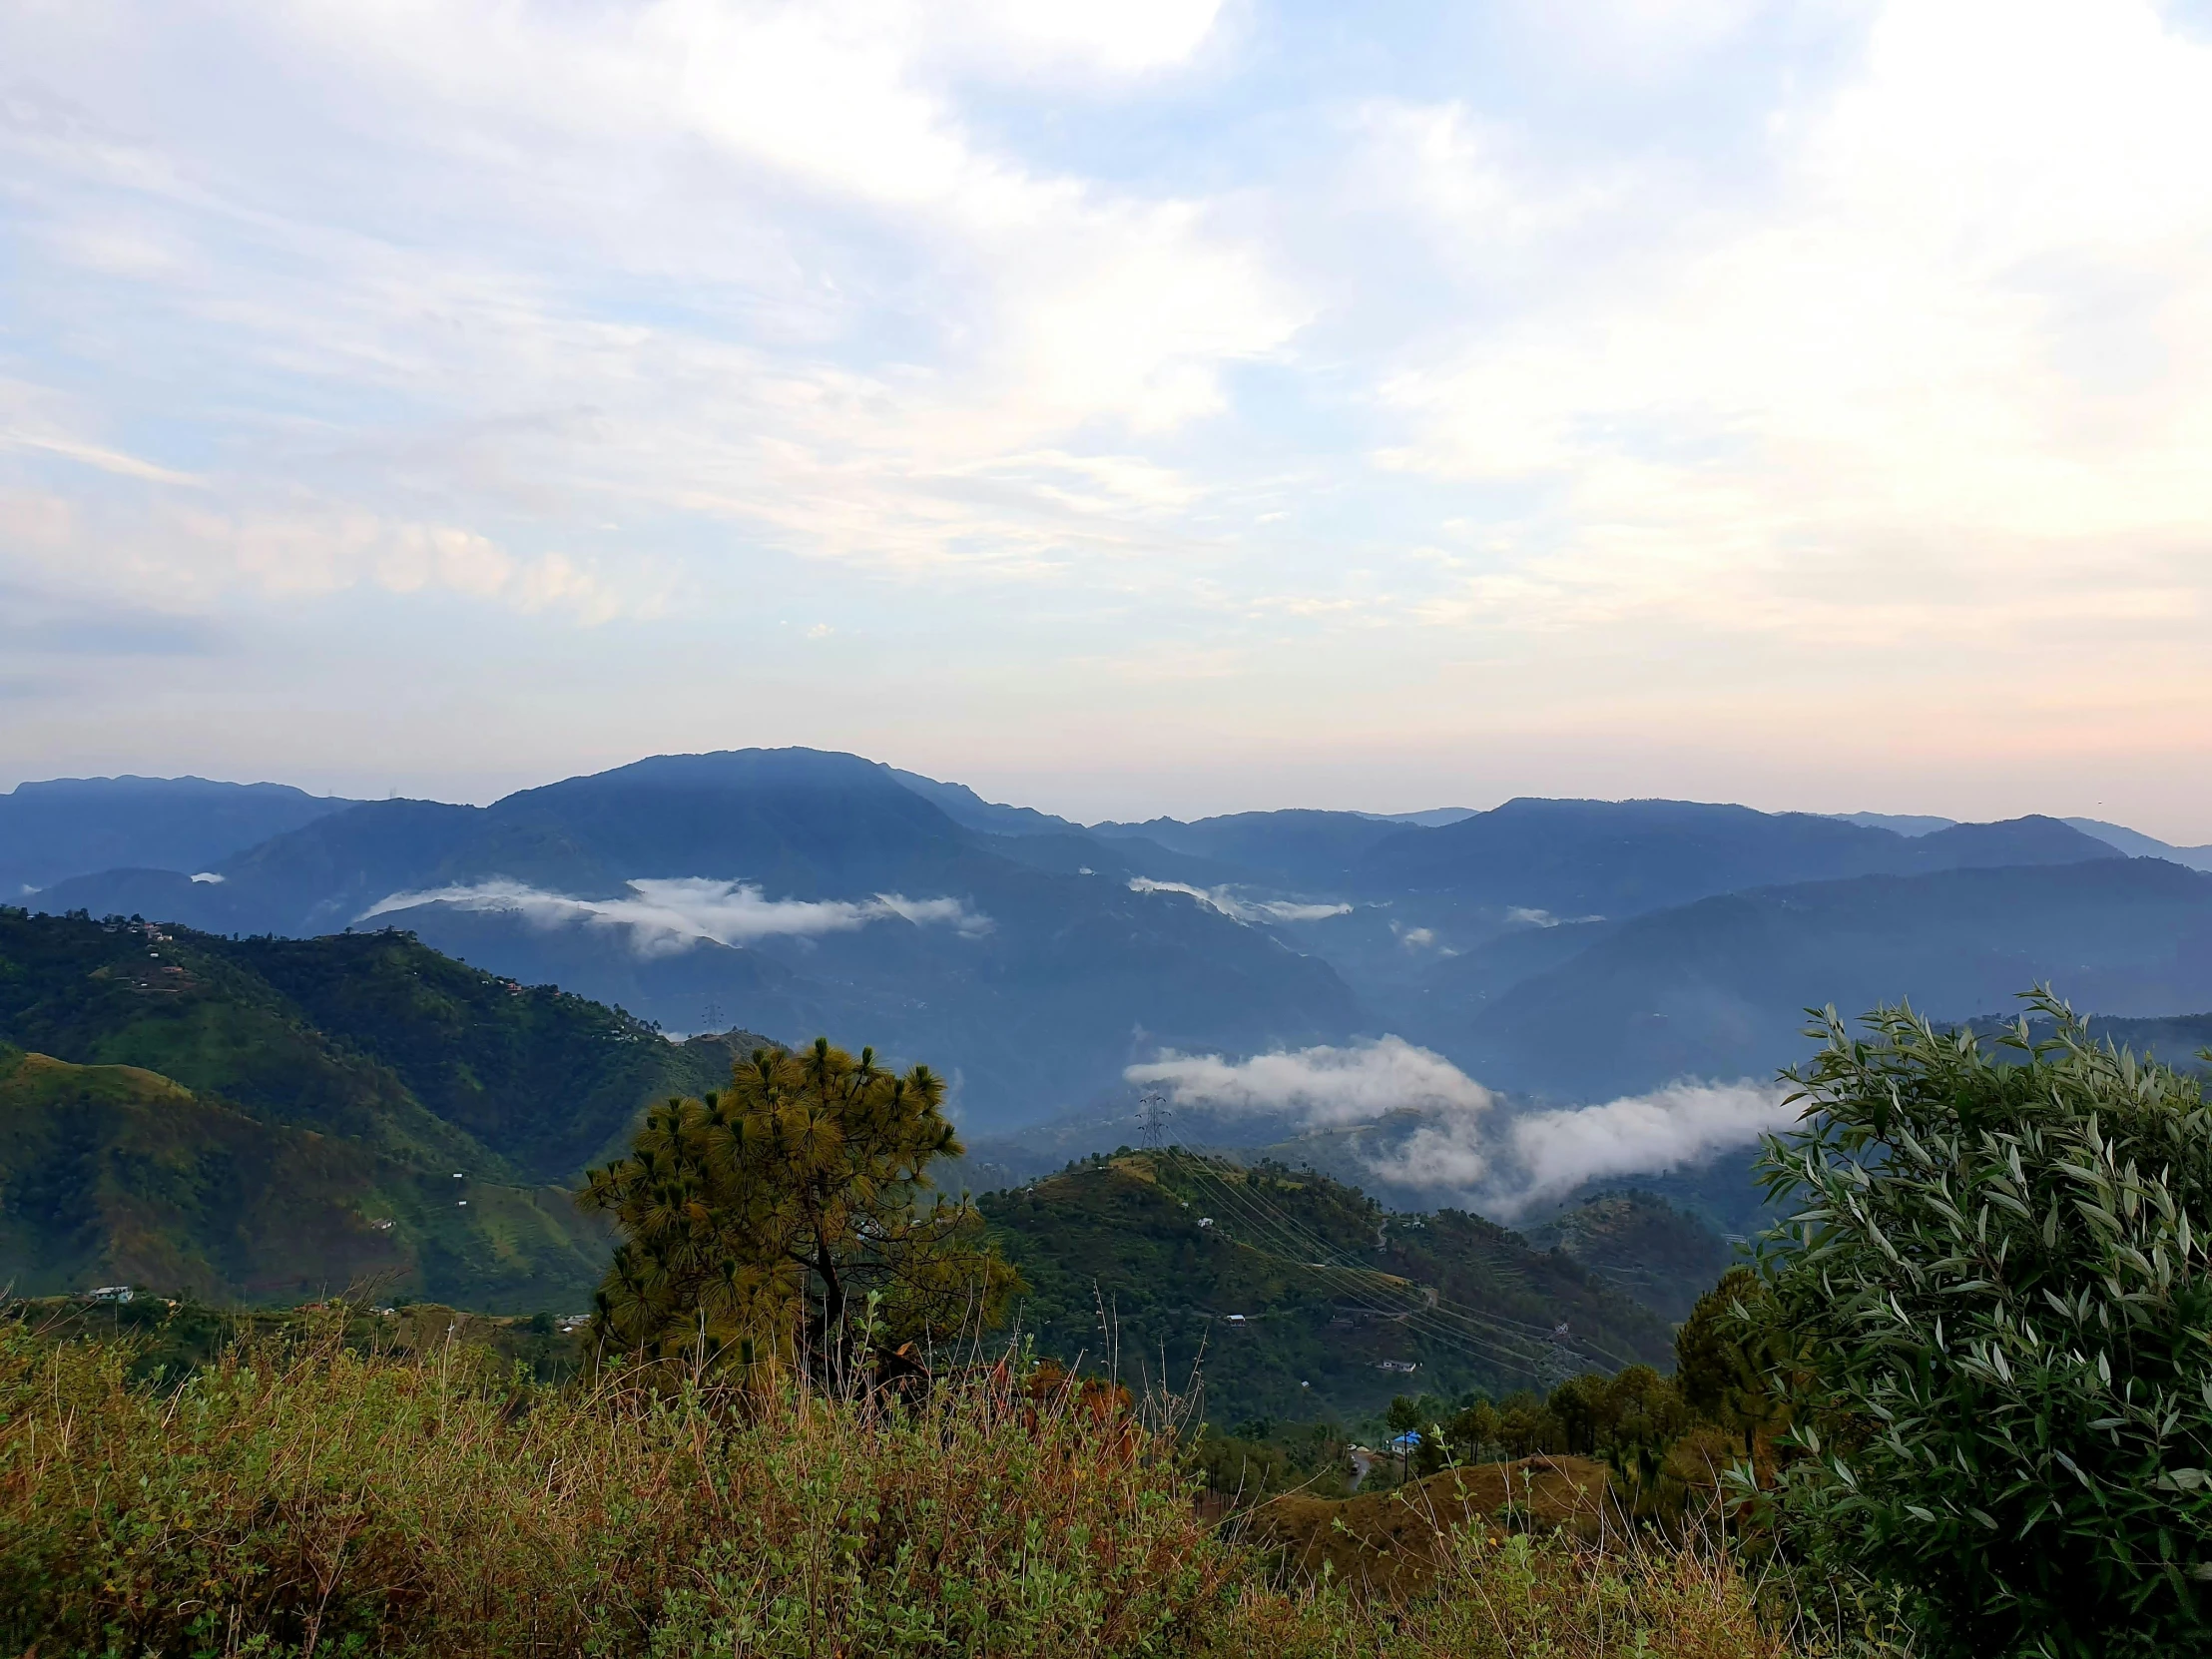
{"points": [[1132, 37], [1505, 1166], [92, 455], [1683, 1124], [1326, 1085], [1229, 904], [666, 915], [1469, 1150], [1612, 400], [1965, 336]]}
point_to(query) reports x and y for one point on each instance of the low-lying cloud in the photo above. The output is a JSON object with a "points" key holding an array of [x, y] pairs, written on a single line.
{"points": [[1468, 1149], [670, 915], [1506, 1166], [1325, 1086], [1242, 910]]}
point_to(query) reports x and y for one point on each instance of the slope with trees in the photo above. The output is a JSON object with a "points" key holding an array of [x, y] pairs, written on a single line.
{"points": [[113, 1175], [1296, 1296], [314, 1089]]}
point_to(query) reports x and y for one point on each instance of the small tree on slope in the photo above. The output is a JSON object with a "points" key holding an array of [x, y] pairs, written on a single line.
{"points": [[1995, 1291], [767, 1219]]}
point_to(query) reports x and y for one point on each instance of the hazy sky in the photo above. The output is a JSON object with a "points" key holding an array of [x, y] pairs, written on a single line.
{"points": [[1155, 405]]}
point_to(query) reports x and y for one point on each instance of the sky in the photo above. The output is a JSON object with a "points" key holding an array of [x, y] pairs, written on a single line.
{"points": [[1171, 405]]}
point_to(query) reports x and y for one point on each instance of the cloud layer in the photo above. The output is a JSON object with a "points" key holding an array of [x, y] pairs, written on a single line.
{"points": [[1326, 1085], [1229, 904], [664, 917], [1467, 1150], [1440, 404]]}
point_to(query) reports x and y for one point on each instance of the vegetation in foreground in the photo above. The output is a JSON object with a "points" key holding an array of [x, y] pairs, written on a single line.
{"points": [[1988, 1321], [298, 1496]]}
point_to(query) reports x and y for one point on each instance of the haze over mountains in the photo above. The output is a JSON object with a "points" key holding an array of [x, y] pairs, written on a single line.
{"points": [[1551, 955]]}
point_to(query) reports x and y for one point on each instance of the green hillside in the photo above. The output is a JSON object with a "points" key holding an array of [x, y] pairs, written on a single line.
{"points": [[1146, 1260], [1642, 1246], [231, 1117], [548, 1080], [116, 1175]]}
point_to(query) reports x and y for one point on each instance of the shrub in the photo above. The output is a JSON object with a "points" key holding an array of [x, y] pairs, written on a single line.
{"points": [[295, 1497], [1519, 1595], [307, 1498], [1995, 1310]]}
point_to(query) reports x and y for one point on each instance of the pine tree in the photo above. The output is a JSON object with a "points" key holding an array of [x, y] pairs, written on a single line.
{"points": [[792, 1217]]}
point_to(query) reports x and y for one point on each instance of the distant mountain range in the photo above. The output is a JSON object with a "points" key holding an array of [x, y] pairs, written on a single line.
{"points": [[1553, 948], [76, 826]]}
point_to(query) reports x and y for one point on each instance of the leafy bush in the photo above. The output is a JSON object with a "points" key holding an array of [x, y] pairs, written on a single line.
{"points": [[1996, 1306]]}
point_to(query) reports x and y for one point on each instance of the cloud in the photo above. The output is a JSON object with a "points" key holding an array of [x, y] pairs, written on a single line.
{"points": [[1468, 1149], [1229, 385], [663, 917], [105, 460], [1542, 918], [1505, 1166], [1242, 910], [1324, 1085]]}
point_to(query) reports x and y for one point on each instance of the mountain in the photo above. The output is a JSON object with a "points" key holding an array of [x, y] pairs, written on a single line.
{"points": [[1311, 849], [799, 891], [2182, 1042], [1716, 988], [1588, 859], [2136, 845], [1296, 1296], [1029, 958], [115, 1175], [73, 826], [253, 1094], [965, 807], [1642, 1246], [1905, 824]]}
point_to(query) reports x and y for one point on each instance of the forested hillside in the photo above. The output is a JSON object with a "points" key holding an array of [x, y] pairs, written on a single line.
{"points": [[113, 1175], [236, 1117], [1305, 1297]]}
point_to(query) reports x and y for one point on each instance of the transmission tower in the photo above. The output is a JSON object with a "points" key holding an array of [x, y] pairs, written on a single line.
{"points": [[1153, 1118]]}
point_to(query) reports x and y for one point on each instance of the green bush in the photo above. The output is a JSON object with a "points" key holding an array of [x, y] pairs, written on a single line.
{"points": [[1995, 1309]]}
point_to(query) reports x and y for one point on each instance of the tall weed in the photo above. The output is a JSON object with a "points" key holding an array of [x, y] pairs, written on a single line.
{"points": [[295, 1498]]}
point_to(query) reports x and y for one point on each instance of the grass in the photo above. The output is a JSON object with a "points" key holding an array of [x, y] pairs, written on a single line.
{"points": [[298, 1496]]}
